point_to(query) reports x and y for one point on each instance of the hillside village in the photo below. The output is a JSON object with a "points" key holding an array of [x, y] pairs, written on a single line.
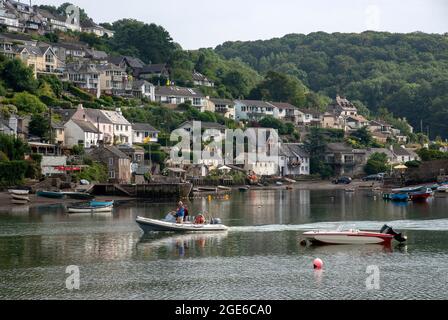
{"points": [[131, 150]]}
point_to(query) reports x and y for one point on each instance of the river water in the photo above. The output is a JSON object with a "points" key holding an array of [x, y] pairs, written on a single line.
{"points": [[260, 257]]}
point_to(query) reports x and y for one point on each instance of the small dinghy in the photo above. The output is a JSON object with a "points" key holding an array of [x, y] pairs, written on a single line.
{"points": [[79, 195], [354, 236], [151, 225], [95, 203], [90, 209], [16, 192], [50, 194]]}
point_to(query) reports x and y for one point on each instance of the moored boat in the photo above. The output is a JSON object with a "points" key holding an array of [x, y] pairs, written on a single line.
{"points": [[90, 209], [354, 236], [399, 197], [224, 188], [79, 195], [153, 225], [18, 192], [95, 203], [243, 189], [19, 202], [20, 197], [443, 188], [421, 195], [50, 194]]}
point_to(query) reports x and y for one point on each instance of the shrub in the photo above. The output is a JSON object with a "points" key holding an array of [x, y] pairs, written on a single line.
{"points": [[12, 172], [28, 103]]}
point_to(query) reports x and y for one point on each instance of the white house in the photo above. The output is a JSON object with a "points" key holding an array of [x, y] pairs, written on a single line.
{"points": [[254, 110], [294, 160], [286, 111], [177, 95], [81, 132], [225, 107], [144, 132], [122, 127], [144, 89]]}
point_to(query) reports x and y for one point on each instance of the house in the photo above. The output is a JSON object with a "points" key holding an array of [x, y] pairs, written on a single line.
{"points": [[294, 160], [7, 47], [270, 148], [254, 110], [70, 51], [353, 123], [344, 159], [88, 26], [117, 162], [135, 153], [97, 55], [58, 133], [309, 117], [144, 89], [112, 125], [81, 132], [342, 107], [8, 19], [144, 132], [122, 128], [287, 111], [154, 71], [130, 64], [403, 155], [380, 137], [98, 78], [41, 59], [225, 107], [380, 126], [188, 126], [177, 95], [200, 80], [62, 23], [331, 121]]}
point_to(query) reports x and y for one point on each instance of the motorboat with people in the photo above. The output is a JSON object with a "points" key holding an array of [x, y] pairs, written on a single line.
{"points": [[169, 224], [354, 236]]}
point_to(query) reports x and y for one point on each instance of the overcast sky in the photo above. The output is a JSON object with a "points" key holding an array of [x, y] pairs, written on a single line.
{"points": [[206, 23]]}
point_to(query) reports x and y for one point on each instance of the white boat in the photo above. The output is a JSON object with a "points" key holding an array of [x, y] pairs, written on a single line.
{"points": [[149, 225], [354, 236], [18, 192], [89, 209], [443, 188]]}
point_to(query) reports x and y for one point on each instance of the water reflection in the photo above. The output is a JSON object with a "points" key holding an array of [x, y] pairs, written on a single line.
{"points": [[184, 245]]}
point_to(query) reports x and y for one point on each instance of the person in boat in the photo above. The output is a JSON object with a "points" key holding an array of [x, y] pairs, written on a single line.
{"points": [[200, 219], [180, 213], [186, 213]]}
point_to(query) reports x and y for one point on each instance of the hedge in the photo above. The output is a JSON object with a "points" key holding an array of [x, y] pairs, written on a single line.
{"points": [[12, 172]]}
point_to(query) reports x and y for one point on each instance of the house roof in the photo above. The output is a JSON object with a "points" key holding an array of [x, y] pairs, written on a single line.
{"points": [[134, 63], [86, 126], [65, 114], [114, 150], [401, 151], [144, 127], [97, 54], [256, 103], [293, 150], [136, 85], [199, 76], [386, 151], [115, 117], [153, 68], [339, 147], [357, 118], [283, 105], [227, 102], [381, 122], [312, 112], [176, 91], [344, 103]]}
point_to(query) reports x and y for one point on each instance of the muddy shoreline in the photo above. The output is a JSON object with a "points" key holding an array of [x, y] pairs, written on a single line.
{"points": [[5, 198]]}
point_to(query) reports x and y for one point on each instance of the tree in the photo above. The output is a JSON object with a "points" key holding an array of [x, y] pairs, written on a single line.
{"points": [[17, 76], [280, 87], [28, 103], [377, 163], [271, 122], [39, 126], [363, 137]]}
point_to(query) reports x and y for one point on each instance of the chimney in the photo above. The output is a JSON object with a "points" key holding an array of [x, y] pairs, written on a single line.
{"points": [[119, 111]]}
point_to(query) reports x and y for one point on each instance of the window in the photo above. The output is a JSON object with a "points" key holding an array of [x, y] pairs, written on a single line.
{"points": [[48, 58], [111, 161], [112, 174], [197, 101]]}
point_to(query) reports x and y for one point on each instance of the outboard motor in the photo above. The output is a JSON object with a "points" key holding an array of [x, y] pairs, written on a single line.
{"points": [[216, 221], [397, 236]]}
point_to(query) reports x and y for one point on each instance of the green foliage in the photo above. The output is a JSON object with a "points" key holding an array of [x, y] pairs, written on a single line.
{"points": [[97, 172], [429, 154], [413, 164], [28, 103], [79, 92], [39, 126], [280, 87], [408, 73], [78, 150], [13, 148], [12, 172], [17, 76], [377, 163], [362, 138], [271, 122]]}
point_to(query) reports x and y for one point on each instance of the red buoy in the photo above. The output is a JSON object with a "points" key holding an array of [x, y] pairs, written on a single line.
{"points": [[318, 264]]}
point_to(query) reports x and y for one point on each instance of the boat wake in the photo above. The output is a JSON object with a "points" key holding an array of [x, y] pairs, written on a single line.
{"points": [[427, 225]]}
